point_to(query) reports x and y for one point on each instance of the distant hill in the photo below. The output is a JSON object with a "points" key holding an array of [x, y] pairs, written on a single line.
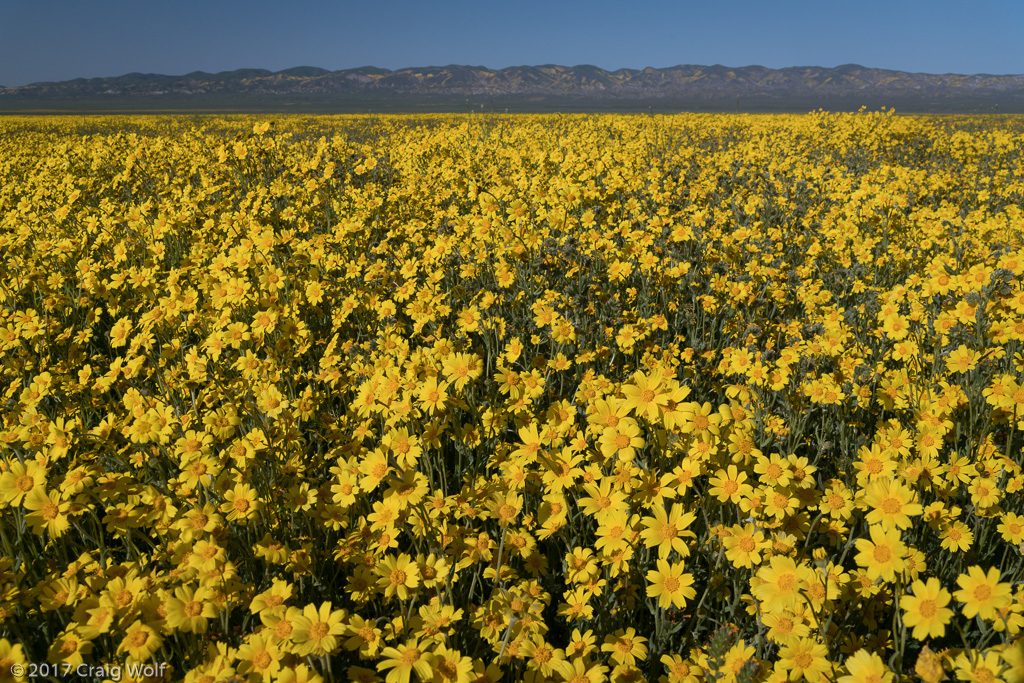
{"points": [[541, 88]]}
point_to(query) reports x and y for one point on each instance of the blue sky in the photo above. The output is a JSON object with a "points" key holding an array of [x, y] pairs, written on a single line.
{"points": [[44, 40]]}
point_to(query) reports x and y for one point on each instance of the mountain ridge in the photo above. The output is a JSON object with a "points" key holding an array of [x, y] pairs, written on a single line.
{"points": [[675, 86]]}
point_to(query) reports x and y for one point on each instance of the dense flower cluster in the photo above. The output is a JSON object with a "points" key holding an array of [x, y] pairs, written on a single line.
{"points": [[541, 398]]}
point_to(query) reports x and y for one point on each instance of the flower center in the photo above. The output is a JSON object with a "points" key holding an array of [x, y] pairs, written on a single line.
{"points": [[262, 659], [891, 506], [787, 582], [882, 553]]}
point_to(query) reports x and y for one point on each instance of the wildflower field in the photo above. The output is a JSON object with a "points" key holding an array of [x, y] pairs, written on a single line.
{"points": [[521, 398]]}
